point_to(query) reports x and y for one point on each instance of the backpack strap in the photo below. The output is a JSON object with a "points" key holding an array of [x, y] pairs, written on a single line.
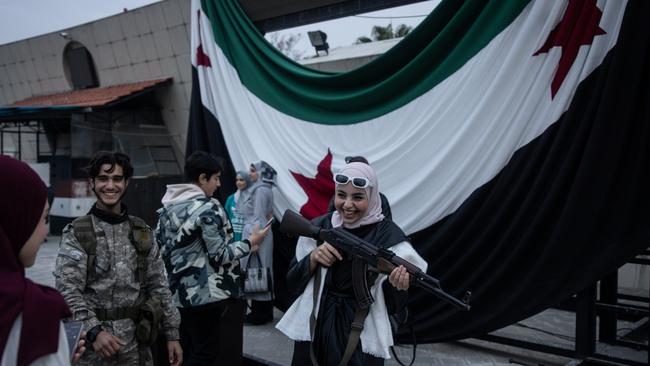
{"points": [[84, 232], [142, 239], [140, 235]]}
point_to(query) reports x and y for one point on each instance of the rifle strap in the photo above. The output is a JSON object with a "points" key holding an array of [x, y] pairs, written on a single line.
{"points": [[360, 315], [312, 317], [355, 331]]}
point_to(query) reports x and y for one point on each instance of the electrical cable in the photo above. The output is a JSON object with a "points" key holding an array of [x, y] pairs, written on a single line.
{"points": [[390, 17]]}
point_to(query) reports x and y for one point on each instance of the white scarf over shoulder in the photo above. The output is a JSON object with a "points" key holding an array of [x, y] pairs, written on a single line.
{"points": [[376, 337]]}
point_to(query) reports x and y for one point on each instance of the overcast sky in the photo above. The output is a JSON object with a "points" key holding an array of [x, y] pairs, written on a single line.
{"points": [[20, 19]]}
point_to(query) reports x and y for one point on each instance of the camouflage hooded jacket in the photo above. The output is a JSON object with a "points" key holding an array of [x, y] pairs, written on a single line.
{"points": [[195, 238]]}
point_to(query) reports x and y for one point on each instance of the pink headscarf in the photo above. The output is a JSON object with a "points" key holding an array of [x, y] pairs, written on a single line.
{"points": [[373, 215], [23, 199]]}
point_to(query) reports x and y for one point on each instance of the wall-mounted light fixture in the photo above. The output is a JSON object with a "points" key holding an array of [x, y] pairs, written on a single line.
{"points": [[318, 39]]}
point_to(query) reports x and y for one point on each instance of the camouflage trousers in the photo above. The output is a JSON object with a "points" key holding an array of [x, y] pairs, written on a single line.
{"points": [[129, 354]]}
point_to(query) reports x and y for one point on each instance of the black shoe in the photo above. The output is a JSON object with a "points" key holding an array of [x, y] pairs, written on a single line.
{"points": [[254, 319]]}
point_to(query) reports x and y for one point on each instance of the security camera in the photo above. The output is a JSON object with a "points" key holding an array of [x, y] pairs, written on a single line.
{"points": [[64, 35]]}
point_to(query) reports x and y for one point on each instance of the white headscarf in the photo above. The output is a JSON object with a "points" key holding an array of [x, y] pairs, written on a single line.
{"points": [[373, 215]]}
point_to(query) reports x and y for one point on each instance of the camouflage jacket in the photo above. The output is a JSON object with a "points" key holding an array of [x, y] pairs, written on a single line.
{"points": [[195, 237], [113, 283]]}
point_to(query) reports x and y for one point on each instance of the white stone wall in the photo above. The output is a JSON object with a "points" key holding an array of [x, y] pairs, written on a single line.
{"points": [[146, 43]]}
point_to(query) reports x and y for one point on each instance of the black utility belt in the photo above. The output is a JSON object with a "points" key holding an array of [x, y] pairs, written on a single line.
{"points": [[117, 313]]}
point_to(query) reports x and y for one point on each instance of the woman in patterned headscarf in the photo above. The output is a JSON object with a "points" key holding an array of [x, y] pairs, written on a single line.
{"points": [[258, 210], [358, 211]]}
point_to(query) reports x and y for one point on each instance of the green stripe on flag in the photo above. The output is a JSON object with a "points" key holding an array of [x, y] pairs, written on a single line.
{"points": [[451, 35]]}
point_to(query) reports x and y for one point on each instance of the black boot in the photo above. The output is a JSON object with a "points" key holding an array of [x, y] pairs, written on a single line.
{"points": [[261, 313]]}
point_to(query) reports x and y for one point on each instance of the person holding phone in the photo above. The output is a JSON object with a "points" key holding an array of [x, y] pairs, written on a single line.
{"points": [[31, 331], [258, 210], [202, 263]]}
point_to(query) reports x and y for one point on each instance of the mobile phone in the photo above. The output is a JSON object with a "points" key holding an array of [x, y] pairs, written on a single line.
{"points": [[268, 223], [73, 333]]}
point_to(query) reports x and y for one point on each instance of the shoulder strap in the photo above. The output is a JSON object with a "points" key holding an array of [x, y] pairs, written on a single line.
{"points": [[141, 237], [138, 222], [84, 232], [312, 317]]}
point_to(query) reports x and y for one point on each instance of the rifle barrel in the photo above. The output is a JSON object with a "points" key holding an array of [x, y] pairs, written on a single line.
{"points": [[441, 294]]}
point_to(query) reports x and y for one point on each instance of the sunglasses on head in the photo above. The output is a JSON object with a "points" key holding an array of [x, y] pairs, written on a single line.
{"points": [[358, 182]]}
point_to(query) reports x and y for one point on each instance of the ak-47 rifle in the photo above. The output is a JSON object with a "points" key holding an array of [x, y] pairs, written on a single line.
{"points": [[379, 259]]}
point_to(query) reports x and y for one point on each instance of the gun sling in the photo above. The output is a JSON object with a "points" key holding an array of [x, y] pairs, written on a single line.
{"points": [[360, 315]]}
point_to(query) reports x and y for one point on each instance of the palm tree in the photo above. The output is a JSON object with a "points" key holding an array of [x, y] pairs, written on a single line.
{"points": [[402, 30], [380, 33]]}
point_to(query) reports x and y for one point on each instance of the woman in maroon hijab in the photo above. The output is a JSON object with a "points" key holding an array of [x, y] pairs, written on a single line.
{"points": [[31, 332]]}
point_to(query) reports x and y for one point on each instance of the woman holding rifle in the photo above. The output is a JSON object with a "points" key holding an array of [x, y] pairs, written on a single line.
{"points": [[328, 323]]}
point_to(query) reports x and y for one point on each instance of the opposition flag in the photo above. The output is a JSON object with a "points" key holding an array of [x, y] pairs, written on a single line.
{"points": [[510, 137]]}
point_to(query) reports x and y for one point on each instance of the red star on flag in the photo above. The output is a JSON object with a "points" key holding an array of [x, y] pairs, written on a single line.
{"points": [[202, 58], [578, 27], [319, 189]]}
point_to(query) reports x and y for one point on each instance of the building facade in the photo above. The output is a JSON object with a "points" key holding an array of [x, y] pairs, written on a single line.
{"points": [[118, 83], [147, 43]]}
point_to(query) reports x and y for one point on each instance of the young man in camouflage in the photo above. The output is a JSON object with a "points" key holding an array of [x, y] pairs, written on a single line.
{"points": [[202, 262], [112, 276]]}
